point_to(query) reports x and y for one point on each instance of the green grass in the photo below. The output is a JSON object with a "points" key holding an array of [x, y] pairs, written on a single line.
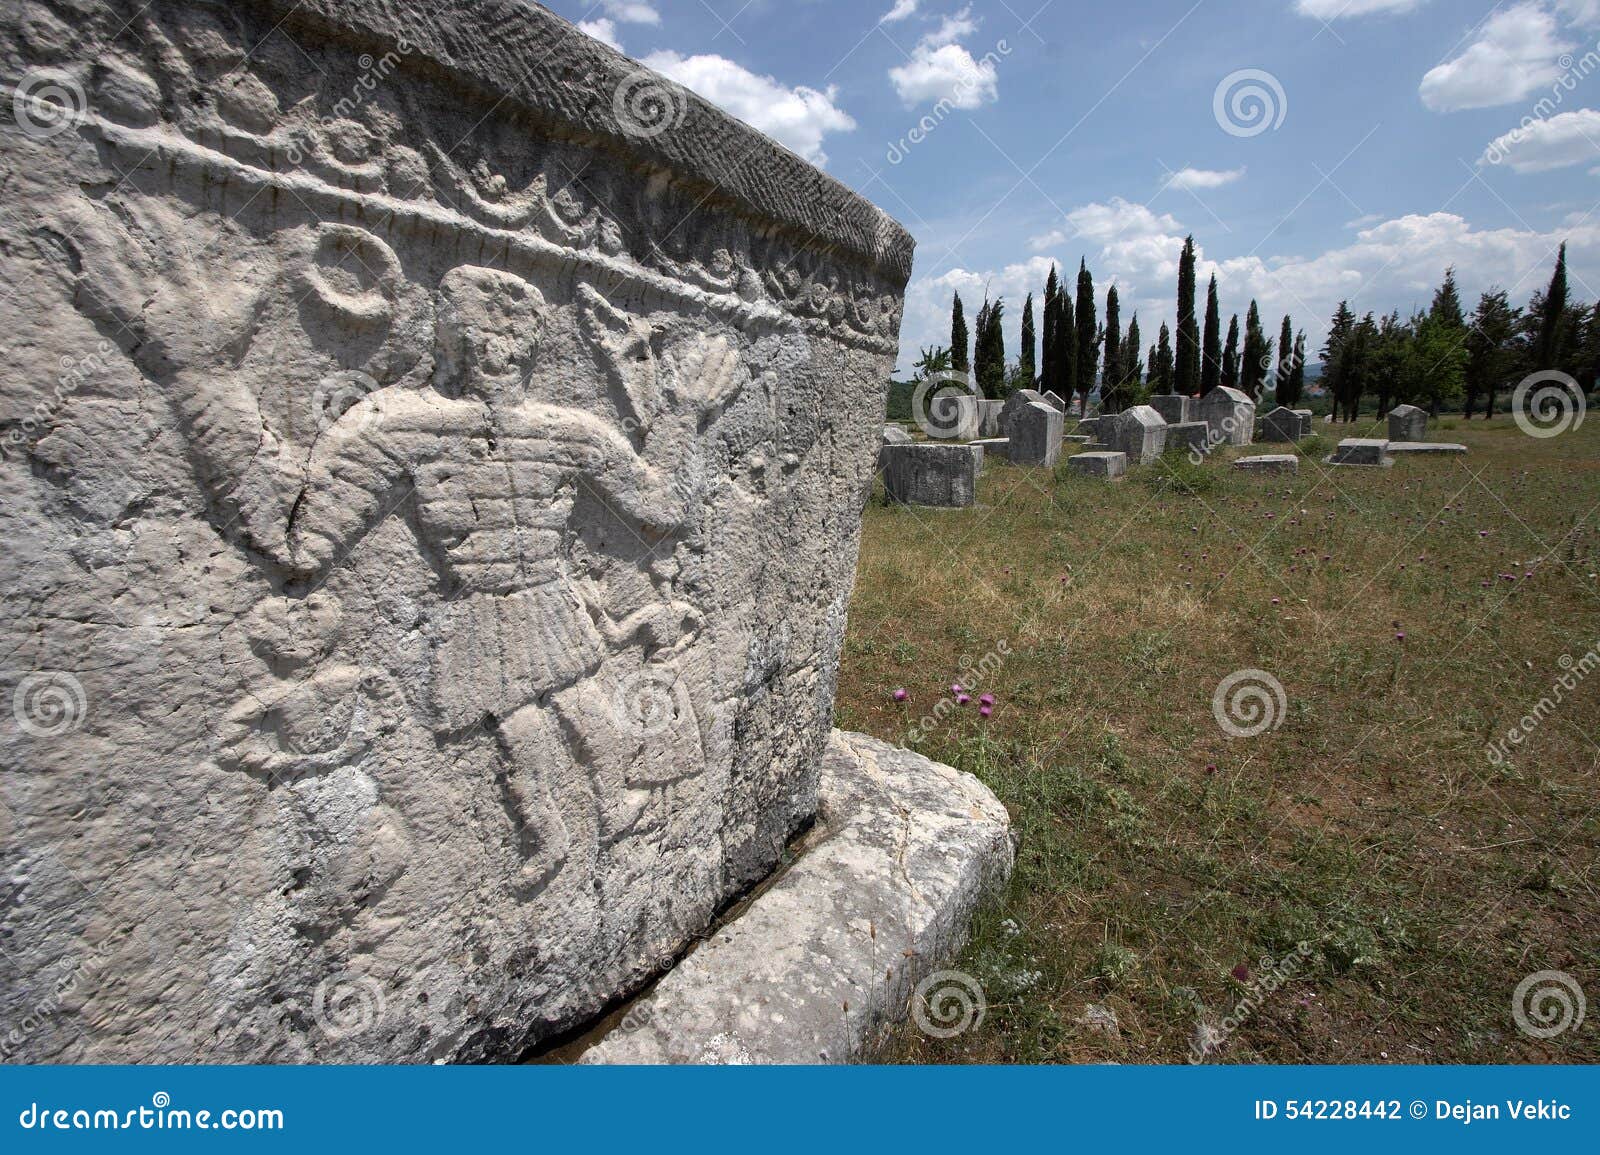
{"points": [[1157, 853]]}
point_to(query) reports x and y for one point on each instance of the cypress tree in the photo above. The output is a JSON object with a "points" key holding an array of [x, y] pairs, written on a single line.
{"points": [[1088, 335], [1297, 371], [1280, 382], [1025, 362], [1111, 399], [1257, 355], [1133, 368], [1229, 378], [1211, 362], [1186, 370], [1548, 345], [1047, 346], [989, 354], [1066, 346], [958, 338], [1161, 362]]}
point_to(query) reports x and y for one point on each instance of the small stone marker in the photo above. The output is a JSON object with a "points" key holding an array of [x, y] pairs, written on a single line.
{"points": [[1230, 414], [1188, 435], [1054, 399], [1105, 464], [989, 418], [1368, 451], [1175, 408], [1282, 425], [1012, 404], [1139, 432], [1408, 423], [932, 473], [892, 435], [1269, 463], [1305, 416], [1036, 435], [1076, 438], [1425, 448], [1090, 426]]}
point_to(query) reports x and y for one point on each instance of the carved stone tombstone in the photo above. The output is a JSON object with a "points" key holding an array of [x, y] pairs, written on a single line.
{"points": [[1408, 423], [1138, 432], [433, 455], [1035, 435], [1230, 416]]}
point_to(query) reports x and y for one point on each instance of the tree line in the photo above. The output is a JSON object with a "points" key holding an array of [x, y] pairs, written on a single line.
{"points": [[1437, 358]]}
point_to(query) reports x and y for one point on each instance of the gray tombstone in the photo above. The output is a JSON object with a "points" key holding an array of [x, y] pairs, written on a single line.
{"points": [[1056, 401], [932, 473], [1305, 416], [1372, 452], [1100, 464], [1408, 423], [1282, 425], [1175, 408], [1230, 416], [1269, 463], [1015, 402], [1426, 449], [989, 413], [892, 435], [1189, 436], [1036, 435], [1138, 432], [1088, 426]]}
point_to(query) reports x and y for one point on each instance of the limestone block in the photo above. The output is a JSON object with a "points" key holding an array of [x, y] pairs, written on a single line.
{"points": [[1100, 464], [1138, 432], [1369, 451], [989, 413], [1189, 436], [1305, 416], [1036, 435], [1056, 401], [425, 596], [1013, 404], [892, 435], [1269, 463], [1229, 415], [1426, 448], [1408, 423], [1282, 425], [1175, 408], [932, 473], [878, 899]]}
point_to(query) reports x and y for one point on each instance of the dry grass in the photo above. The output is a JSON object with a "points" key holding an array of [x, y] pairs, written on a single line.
{"points": [[1370, 825]]}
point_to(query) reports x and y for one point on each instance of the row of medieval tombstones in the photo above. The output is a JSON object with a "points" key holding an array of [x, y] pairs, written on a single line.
{"points": [[1029, 429]]}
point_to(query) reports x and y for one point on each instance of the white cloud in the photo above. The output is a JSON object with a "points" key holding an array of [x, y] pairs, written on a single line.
{"points": [[1334, 9], [1201, 178], [1516, 52], [901, 9], [1584, 13], [631, 11], [798, 117], [1568, 139], [941, 69], [603, 30]]}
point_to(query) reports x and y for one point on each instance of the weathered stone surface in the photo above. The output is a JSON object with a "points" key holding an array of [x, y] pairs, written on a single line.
{"points": [[425, 596], [1426, 448], [933, 473], [989, 413], [1055, 401], [1076, 438], [1282, 425], [903, 852], [1014, 404], [1036, 435], [1099, 464], [1090, 426], [1369, 451], [1408, 423], [1305, 416], [892, 435], [1230, 416], [1269, 463], [1188, 435], [1138, 432], [1175, 408]]}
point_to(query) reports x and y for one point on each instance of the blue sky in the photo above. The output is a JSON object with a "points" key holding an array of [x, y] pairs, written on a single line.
{"points": [[1370, 144]]}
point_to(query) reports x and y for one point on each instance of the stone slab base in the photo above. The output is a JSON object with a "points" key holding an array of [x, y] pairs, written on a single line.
{"points": [[1405, 448], [1269, 463], [820, 964], [1099, 464]]}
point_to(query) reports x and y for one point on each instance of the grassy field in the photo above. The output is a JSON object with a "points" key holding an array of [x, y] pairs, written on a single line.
{"points": [[1398, 881]]}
